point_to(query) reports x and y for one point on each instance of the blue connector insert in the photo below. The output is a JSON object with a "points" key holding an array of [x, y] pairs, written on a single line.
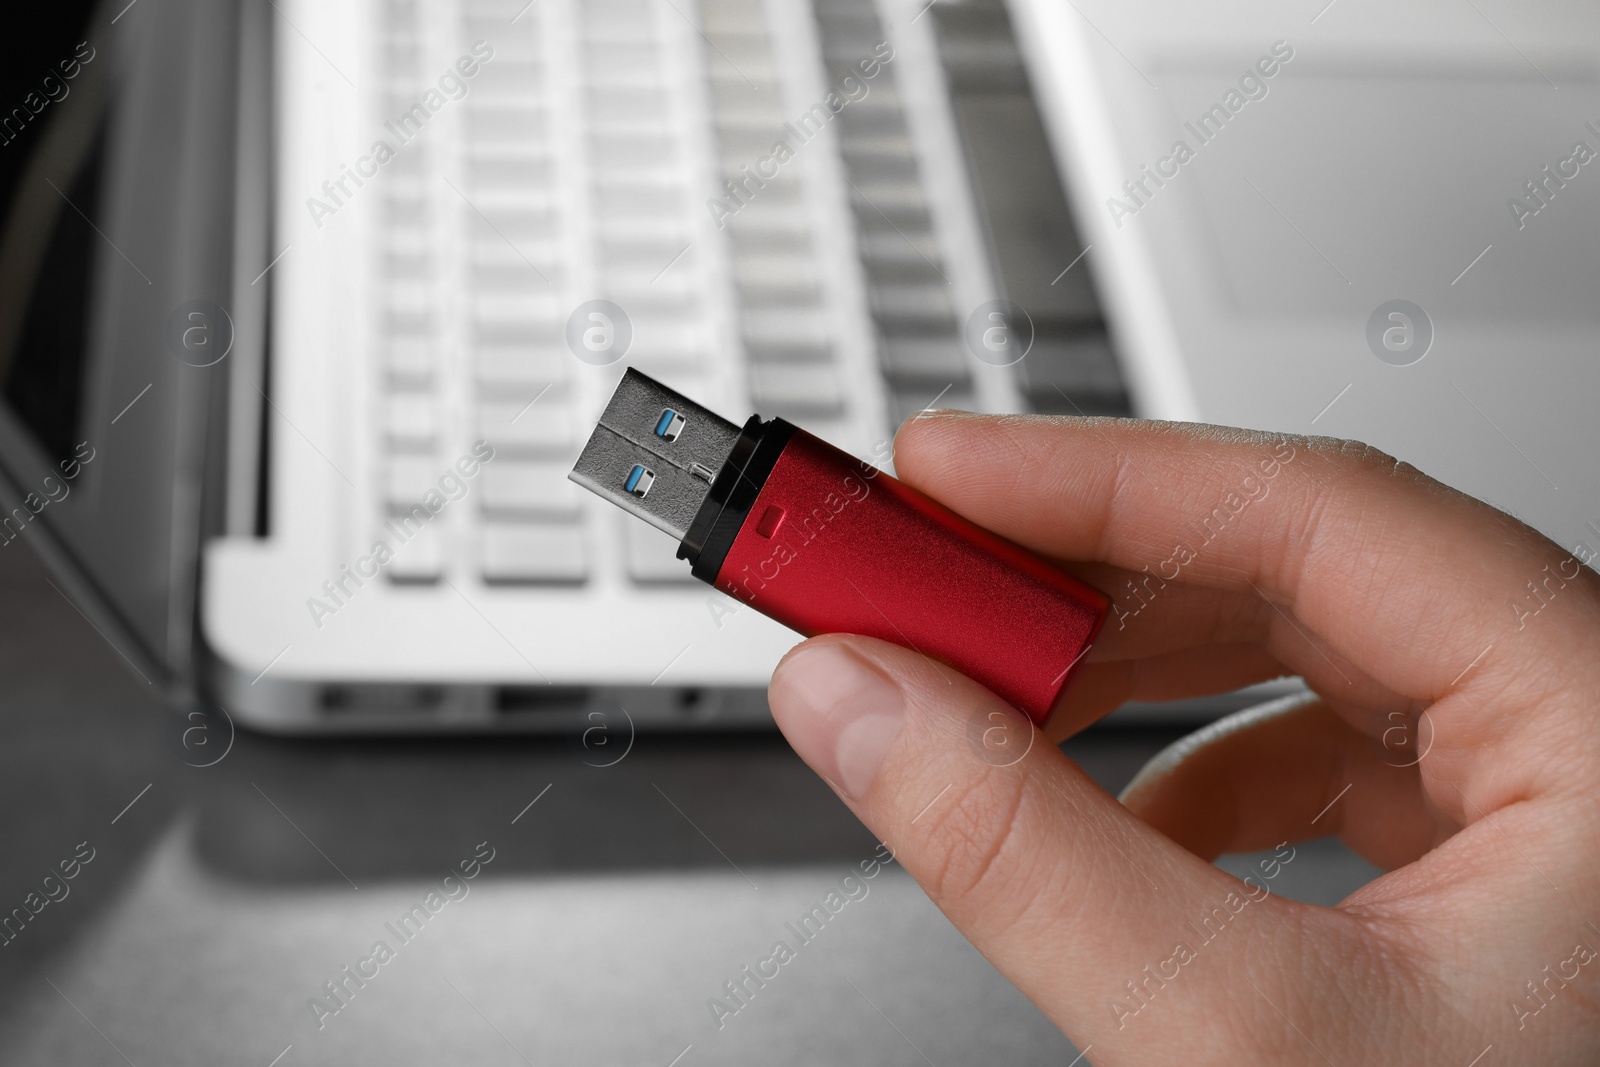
{"points": [[670, 425], [639, 480]]}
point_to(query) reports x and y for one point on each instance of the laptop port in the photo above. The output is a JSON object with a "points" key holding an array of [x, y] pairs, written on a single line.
{"points": [[381, 699], [529, 699]]}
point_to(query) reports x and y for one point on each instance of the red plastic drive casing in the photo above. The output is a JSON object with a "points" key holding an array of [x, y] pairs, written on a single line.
{"points": [[834, 545]]}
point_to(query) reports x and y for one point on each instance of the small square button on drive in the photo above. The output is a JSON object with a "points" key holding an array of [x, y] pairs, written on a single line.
{"points": [[770, 520]]}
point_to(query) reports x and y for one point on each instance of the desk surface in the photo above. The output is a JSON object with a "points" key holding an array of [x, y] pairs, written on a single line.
{"points": [[221, 899]]}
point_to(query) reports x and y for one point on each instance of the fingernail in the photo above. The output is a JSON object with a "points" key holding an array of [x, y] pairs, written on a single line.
{"points": [[839, 712]]}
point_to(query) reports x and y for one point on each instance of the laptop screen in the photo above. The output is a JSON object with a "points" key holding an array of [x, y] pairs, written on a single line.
{"points": [[118, 136], [53, 112]]}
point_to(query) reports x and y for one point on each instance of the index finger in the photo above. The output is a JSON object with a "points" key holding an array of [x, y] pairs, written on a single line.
{"points": [[1410, 579]]}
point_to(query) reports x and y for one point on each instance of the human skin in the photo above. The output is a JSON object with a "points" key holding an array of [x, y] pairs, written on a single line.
{"points": [[1455, 701]]}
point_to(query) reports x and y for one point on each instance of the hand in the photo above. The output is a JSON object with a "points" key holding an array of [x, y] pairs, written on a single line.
{"points": [[1453, 740]]}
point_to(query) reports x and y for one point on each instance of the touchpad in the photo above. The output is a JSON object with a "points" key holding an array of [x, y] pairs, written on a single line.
{"points": [[1359, 176]]}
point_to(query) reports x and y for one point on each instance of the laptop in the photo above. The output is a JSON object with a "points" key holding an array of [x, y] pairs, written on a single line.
{"points": [[357, 278], [357, 282]]}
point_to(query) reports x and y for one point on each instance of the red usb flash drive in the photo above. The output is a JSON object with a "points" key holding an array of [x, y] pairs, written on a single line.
{"points": [[825, 543]]}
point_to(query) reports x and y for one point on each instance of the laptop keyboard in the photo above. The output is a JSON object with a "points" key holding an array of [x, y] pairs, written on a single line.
{"points": [[785, 327], [581, 164]]}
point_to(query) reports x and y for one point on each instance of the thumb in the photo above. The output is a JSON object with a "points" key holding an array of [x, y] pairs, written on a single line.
{"points": [[1078, 903]]}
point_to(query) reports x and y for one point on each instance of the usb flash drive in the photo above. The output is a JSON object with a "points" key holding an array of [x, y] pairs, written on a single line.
{"points": [[825, 543]]}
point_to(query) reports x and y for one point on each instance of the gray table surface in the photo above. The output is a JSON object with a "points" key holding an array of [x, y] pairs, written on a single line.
{"points": [[219, 903]]}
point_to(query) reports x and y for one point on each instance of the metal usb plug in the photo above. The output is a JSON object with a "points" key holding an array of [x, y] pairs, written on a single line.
{"points": [[655, 453]]}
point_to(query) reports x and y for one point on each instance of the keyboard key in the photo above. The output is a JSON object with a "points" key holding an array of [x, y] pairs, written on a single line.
{"points": [[541, 250], [408, 240], [411, 321], [928, 303], [652, 555], [935, 356], [884, 248], [503, 167], [1080, 369], [408, 267], [411, 420], [890, 149], [774, 231], [877, 162], [411, 356], [655, 287], [407, 479], [528, 488], [643, 253], [751, 43], [524, 219], [523, 265], [767, 350], [525, 333], [731, 16], [405, 210], [796, 387], [545, 428], [540, 304], [778, 278], [521, 366], [784, 329], [646, 105], [667, 340], [675, 289], [419, 559], [649, 233], [503, 279], [514, 82], [401, 55], [508, 120], [616, 59], [520, 206], [745, 142], [638, 197], [534, 552]]}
